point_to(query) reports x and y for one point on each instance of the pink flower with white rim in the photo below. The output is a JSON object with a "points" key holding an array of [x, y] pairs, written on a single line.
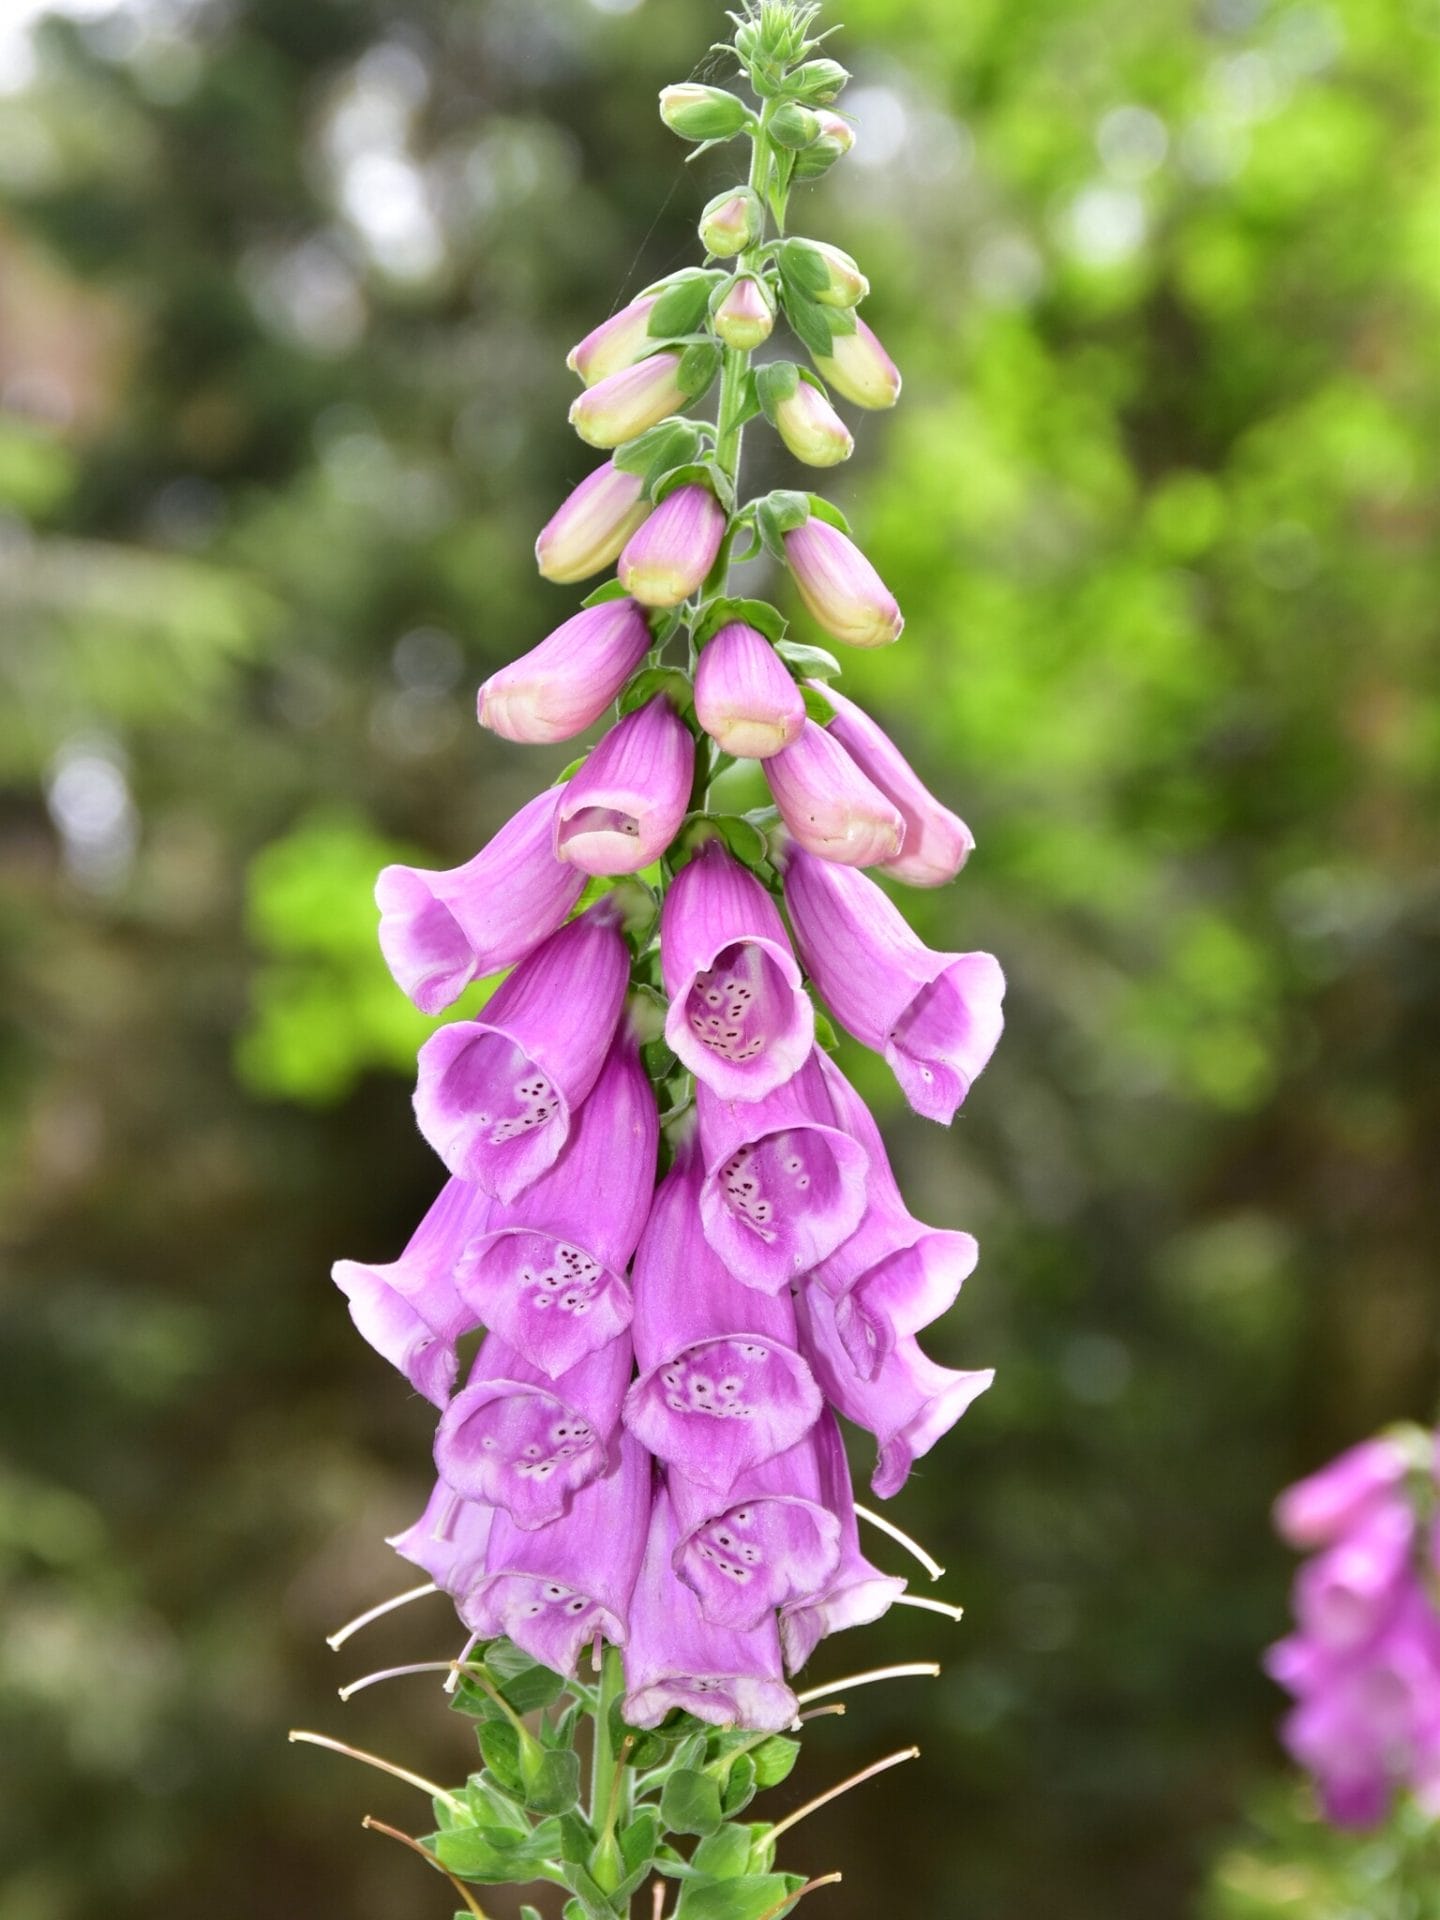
{"points": [[839, 587], [615, 344], [829, 806], [623, 808], [667, 559], [859, 369], [937, 841], [627, 404], [745, 696], [587, 532], [739, 1017], [936, 1017], [564, 685], [811, 428], [745, 318]]}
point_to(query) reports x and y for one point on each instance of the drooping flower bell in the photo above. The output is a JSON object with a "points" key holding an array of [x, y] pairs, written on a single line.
{"points": [[841, 590], [811, 428], [784, 1185], [588, 531], [733, 221], [829, 806], [936, 1017], [496, 1097], [745, 317], [514, 1438], [722, 1388], [859, 369], [675, 1658], [616, 343], [745, 697], [410, 1309], [624, 807], [937, 842], [448, 1541], [547, 1270], [739, 1017], [668, 558], [857, 1593], [565, 684], [554, 1589], [628, 403], [441, 930]]}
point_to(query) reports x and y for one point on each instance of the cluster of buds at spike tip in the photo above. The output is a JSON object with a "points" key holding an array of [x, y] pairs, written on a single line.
{"points": [[670, 1243], [1363, 1663]]}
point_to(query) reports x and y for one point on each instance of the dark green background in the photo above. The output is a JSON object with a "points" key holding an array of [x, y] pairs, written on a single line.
{"points": [[285, 292]]}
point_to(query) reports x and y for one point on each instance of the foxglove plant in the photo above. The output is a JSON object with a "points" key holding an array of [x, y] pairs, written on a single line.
{"points": [[644, 1514]]}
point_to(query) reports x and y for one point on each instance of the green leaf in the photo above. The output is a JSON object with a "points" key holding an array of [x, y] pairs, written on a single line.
{"points": [[826, 1037], [827, 511], [681, 307], [780, 513], [526, 1913], [492, 1856], [739, 1787], [690, 1802], [751, 1898], [698, 367], [593, 1901], [652, 680], [668, 445], [569, 773], [522, 1682], [743, 838], [774, 384], [775, 1760], [759, 614], [808, 663], [814, 326], [818, 705], [554, 1782], [694, 472], [500, 1748], [612, 590], [724, 1854], [803, 267], [639, 1840]]}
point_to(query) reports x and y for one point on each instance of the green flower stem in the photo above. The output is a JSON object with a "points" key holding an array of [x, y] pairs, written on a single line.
{"points": [[607, 1782]]}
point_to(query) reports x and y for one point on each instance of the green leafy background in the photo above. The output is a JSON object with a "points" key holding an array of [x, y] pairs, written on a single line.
{"points": [[285, 293]]}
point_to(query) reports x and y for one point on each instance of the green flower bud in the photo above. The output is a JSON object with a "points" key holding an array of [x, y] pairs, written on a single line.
{"points": [[745, 316], [732, 222], [702, 113], [818, 82], [793, 126], [827, 274], [836, 139]]}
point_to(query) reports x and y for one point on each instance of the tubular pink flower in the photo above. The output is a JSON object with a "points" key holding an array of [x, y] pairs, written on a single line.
{"points": [[840, 588], [548, 1274], [770, 1541], [894, 1276], [625, 805], [1344, 1594], [516, 1439], [495, 1097], [745, 319], [565, 684], [721, 1387], [830, 807], [676, 1658], [448, 1541], [859, 369], [439, 931], [667, 559], [739, 1017], [745, 698], [1318, 1510], [910, 1403], [629, 403], [857, 1592], [784, 1186], [615, 344], [936, 1017], [811, 428], [410, 1311], [588, 531], [937, 842], [552, 1589]]}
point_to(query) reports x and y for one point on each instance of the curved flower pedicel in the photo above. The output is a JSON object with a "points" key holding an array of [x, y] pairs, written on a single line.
{"points": [[655, 1461], [784, 1185], [675, 1657], [440, 931], [546, 1271], [739, 1017], [722, 1388], [936, 1017], [494, 1097], [411, 1310], [515, 1438]]}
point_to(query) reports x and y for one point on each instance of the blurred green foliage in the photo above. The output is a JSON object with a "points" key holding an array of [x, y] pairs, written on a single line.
{"points": [[285, 293]]}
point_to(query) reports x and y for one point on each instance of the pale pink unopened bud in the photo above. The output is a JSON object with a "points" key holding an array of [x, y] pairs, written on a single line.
{"points": [[745, 698], [811, 428], [860, 370], [564, 685], [937, 842], [616, 343], [833, 127], [829, 806], [587, 533], [625, 805], [839, 586], [847, 284], [627, 404], [745, 318], [731, 223], [669, 557]]}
